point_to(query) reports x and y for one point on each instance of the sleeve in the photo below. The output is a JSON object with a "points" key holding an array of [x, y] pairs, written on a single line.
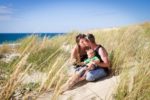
{"points": [[86, 61], [95, 58]]}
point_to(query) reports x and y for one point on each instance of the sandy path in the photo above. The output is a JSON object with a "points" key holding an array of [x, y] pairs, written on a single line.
{"points": [[100, 90]]}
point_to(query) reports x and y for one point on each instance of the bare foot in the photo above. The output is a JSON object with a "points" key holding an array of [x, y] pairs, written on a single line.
{"points": [[64, 88], [81, 79]]}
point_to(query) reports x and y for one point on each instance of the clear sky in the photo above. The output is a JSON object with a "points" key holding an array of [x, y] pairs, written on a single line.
{"points": [[69, 15]]}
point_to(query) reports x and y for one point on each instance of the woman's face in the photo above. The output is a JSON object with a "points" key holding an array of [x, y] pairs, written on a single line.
{"points": [[84, 42]]}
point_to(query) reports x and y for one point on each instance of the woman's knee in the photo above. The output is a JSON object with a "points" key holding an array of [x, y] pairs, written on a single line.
{"points": [[89, 77], [95, 75]]}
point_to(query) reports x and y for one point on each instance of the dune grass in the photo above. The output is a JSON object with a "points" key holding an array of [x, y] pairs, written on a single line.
{"points": [[128, 49], [5, 49]]}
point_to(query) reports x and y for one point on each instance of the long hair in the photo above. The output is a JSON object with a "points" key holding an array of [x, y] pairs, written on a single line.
{"points": [[79, 36]]}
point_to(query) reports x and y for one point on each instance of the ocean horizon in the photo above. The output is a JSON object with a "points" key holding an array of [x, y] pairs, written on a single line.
{"points": [[13, 37]]}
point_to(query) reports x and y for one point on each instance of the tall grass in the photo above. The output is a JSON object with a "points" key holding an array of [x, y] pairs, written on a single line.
{"points": [[5, 49], [47, 56], [128, 49]]}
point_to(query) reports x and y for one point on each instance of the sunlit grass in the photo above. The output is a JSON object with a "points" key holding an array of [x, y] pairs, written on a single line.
{"points": [[128, 49]]}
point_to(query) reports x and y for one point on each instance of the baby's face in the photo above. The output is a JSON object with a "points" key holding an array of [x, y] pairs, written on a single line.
{"points": [[90, 53]]}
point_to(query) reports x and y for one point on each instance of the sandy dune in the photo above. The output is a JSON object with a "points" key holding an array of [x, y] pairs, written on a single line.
{"points": [[100, 90]]}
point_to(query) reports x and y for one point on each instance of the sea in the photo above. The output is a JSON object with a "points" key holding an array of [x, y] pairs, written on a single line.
{"points": [[13, 37]]}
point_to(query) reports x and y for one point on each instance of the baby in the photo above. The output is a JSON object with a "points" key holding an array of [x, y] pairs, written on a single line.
{"points": [[88, 64]]}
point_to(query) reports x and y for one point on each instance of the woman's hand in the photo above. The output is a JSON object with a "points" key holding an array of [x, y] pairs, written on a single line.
{"points": [[73, 61], [90, 66]]}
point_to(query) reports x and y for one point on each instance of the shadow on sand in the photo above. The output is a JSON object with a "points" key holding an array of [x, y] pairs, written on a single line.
{"points": [[85, 82]]}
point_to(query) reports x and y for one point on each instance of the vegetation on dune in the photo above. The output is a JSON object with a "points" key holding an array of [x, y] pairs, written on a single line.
{"points": [[128, 49]]}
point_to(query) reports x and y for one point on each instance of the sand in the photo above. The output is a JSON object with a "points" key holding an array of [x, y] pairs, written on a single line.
{"points": [[101, 90]]}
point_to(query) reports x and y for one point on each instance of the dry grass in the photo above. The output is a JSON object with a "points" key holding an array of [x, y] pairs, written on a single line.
{"points": [[128, 48], [5, 49]]}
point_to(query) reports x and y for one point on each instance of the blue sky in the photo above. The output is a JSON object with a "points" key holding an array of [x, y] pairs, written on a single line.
{"points": [[69, 15]]}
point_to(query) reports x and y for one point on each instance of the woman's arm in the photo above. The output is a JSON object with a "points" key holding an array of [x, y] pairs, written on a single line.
{"points": [[104, 56]]}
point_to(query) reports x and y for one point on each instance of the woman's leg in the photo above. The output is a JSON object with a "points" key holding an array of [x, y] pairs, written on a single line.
{"points": [[73, 79], [96, 74], [70, 83]]}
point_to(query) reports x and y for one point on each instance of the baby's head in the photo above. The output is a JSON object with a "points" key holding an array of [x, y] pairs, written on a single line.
{"points": [[90, 53]]}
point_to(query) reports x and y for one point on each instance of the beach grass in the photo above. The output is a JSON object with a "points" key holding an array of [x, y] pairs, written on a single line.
{"points": [[128, 48]]}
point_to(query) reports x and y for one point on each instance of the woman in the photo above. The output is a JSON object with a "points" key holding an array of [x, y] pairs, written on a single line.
{"points": [[78, 53]]}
